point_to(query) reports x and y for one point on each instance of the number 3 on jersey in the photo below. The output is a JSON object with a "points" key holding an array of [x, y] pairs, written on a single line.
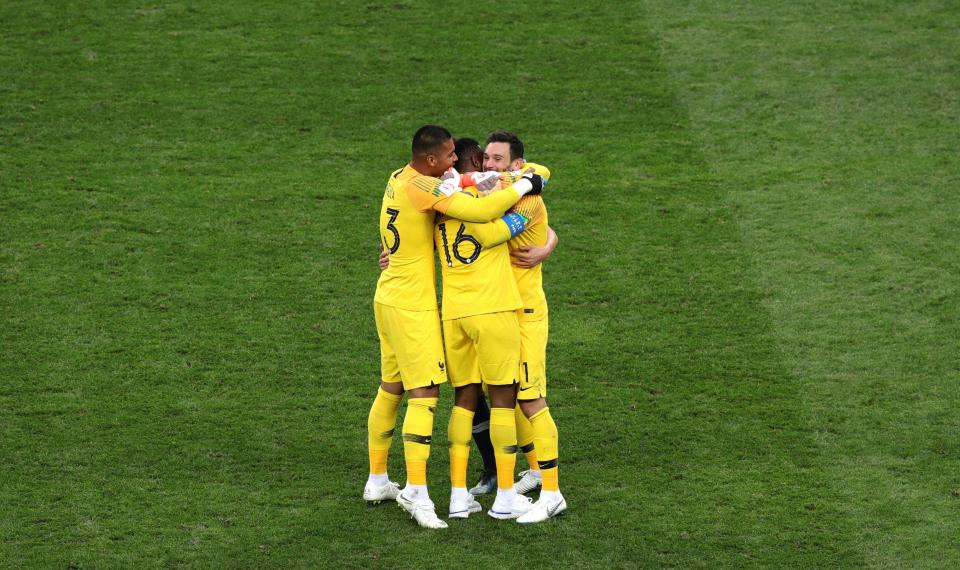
{"points": [[457, 242], [396, 234]]}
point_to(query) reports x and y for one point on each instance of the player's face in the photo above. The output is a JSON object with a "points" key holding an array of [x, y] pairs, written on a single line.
{"points": [[497, 157], [444, 157]]}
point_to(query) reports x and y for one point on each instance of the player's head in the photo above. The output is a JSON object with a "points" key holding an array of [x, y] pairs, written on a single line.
{"points": [[469, 155], [433, 152], [504, 152]]}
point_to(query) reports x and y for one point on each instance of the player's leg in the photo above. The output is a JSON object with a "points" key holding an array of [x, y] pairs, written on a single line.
{"points": [[533, 352], [534, 405], [497, 338], [382, 419], [481, 437], [530, 479], [463, 371], [462, 503], [417, 342], [503, 433]]}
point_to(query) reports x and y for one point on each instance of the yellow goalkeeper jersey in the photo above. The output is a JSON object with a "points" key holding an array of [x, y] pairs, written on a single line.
{"points": [[475, 265], [530, 281], [406, 232]]}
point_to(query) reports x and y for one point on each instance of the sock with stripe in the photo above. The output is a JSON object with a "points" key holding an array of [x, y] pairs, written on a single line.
{"points": [[525, 439], [417, 436], [458, 433], [380, 425], [547, 441], [503, 434]]}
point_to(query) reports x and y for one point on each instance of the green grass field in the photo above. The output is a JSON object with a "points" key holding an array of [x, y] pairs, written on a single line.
{"points": [[754, 304]]}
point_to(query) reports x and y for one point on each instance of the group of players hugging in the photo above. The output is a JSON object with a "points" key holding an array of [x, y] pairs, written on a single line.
{"points": [[482, 211]]}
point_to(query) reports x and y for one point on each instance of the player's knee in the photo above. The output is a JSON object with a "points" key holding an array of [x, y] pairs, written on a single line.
{"points": [[426, 392], [531, 407], [503, 396], [395, 388], [467, 396]]}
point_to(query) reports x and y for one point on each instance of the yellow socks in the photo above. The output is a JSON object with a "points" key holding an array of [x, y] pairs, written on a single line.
{"points": [[417, 435], [546, 440], [459, 432], [380, 425], [525, 438], [503, 434]]}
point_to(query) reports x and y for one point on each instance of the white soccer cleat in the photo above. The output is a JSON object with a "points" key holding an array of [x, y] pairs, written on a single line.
{"points": [[422, 511], [528, 480], [373, 493], [463, 508], [504, 509], [544, 509]]}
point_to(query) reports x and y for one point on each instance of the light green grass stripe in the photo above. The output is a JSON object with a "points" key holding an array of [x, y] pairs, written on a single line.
{"points": [[833, 129]]}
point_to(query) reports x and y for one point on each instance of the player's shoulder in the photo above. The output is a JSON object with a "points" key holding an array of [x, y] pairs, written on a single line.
{"points": [[426, 184], [399, 175], [536, 168]]}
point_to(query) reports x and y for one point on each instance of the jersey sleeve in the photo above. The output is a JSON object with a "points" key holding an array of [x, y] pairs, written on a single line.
{"points": [[530, 207], [424, 192], [489, 234], [469, 209]]}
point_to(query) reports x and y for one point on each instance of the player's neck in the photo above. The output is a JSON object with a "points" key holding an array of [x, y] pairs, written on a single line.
{"points": [[421, 168]]}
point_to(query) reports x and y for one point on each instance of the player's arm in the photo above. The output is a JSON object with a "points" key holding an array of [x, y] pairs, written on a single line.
{"points": [[431, 193], [470, 209], [528, 256], [500, 231]]}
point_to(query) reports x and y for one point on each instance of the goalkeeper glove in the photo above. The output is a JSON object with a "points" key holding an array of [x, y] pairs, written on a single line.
{"points": [[535, 185]]}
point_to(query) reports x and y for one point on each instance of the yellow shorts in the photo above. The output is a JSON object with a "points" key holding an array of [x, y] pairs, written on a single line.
{"points": [[483, 348], [411, 348], [533, 356]]}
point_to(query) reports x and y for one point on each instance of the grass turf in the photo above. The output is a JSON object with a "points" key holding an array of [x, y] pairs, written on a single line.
{"points": [[753, 316]]}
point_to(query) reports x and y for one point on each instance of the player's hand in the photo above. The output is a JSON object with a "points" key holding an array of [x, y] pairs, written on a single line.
{"points": [[384, 259], [529, 256], [486, 181], [536, 181], [451, 176]]}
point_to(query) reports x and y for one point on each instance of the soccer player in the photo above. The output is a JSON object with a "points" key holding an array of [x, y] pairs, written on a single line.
{"points": [[405, 307], [523, 256], [504, 152], [482, 338]]}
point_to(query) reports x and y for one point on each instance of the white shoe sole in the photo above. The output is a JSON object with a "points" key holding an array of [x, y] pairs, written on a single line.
{"points": [[465, 512], [503, 516], [555, 514]]}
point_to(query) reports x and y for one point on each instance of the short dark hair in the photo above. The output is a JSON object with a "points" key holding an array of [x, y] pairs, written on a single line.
{"points": [[466, 148], [516, 146], [429, 137]]}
